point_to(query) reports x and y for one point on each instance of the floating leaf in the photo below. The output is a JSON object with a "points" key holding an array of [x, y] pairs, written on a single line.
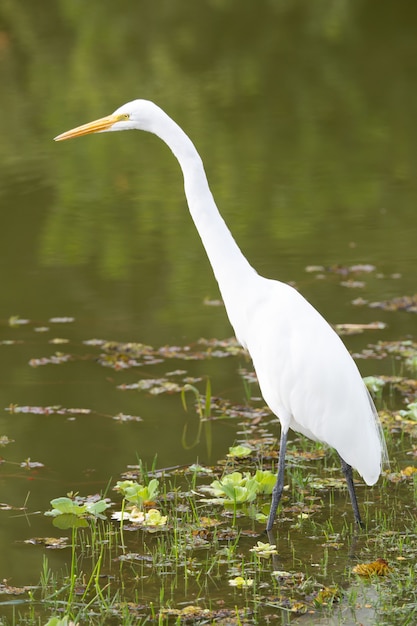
{"points": [[154, 518], [209, 522], [402, 303], [165, 386], [130, 349], [123, 355], [10, 342], [241, 582], [122, 417], [61, 320], [97, 508], [13, 591], [353, 284], [69, 520], [362, 268], [314, 268], [234, 479], [264, 550], [374, 384], [28, 464], [56, 359], [376, 568], [136, 516], [94, 342], [199, 469], [265, 480], [47, 410], [296, 578], [238, 488], [343, 270], [154, 386], [410, 412], [76, 508], [239, 452], [198, 615], [138, 494], [299, 607], [4, 440], [61, 506], [15, 320], [327, 483], [354, 329], [49, 542]]}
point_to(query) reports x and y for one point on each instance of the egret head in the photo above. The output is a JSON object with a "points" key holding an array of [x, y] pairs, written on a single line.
{"points": [[137, 114]]}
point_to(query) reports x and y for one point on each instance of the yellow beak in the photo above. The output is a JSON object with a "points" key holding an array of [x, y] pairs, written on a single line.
{"points": [[104, 123]]}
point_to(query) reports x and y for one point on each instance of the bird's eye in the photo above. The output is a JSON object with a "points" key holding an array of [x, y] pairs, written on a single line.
{"points": [[126, 116]]}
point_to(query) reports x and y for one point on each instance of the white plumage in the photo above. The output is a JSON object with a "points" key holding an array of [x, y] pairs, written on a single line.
{"points": [[306, 375]]}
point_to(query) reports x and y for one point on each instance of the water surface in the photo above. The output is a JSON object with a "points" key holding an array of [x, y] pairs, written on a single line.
{"points": [[304, 114]]}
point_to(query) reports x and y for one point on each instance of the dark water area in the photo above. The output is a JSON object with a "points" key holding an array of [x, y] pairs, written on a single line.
{"points": [[305, 116]]}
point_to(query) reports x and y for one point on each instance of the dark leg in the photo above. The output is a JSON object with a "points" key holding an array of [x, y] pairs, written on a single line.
{"points": [[347, 470], [279, 485]]}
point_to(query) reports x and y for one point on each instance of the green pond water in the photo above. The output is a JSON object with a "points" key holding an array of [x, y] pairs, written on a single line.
{"points": [[305, 116]]}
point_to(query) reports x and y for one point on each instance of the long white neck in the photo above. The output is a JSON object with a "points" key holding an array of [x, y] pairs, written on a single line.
{"points": [[231, 269]]}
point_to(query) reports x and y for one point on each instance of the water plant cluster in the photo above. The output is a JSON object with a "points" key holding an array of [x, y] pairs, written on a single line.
{"points": [[187, 544], [155, 549]]}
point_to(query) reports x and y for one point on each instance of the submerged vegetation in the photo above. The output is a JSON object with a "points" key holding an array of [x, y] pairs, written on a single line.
{"points": [[187, 544]]}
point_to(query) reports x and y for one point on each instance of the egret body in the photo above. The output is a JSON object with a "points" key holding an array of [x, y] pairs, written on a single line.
{"points": [[305, 373]]}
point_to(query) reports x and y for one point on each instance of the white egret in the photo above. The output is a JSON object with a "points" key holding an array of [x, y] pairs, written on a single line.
{"points": [[305, 373]]}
